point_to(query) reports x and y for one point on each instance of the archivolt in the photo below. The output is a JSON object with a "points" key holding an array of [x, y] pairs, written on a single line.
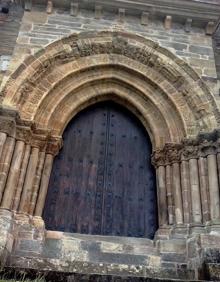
{"points": [[169, 98]]}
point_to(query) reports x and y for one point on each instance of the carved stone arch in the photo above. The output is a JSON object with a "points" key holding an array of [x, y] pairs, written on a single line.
{"points": [[179, 99]]}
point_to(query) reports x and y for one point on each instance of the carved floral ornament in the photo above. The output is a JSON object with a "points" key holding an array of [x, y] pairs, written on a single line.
{"points": [[202, 146]]}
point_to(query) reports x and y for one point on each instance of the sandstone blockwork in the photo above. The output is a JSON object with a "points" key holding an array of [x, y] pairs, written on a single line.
{"points": [[181, 116]]}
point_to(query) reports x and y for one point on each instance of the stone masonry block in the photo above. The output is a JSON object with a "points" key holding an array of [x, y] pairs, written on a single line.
{"points": [[172, 246], [202, 63], [210, 241], [201, 50], [193, 247], [36, 17]]}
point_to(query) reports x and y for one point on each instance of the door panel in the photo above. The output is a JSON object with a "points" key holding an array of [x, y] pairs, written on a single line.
{"points": [[102, 181]]}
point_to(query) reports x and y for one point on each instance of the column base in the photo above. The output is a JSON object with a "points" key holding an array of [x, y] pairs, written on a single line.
{"points": [[163, 233], [180, 231], [196, 229], [213, 227], [184, 231]]}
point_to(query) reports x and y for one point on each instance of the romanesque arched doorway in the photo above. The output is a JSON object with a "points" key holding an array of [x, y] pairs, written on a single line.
{"points": [[102, 181]]}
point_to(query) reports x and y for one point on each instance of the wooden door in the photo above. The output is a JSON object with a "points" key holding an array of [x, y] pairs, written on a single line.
{"points": [[102, 181]]}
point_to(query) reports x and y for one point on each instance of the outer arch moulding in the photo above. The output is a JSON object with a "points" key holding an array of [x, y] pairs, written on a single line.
{"points": [[26, 89]]}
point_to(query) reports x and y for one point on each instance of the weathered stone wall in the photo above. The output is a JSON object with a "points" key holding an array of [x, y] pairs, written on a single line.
{"points": [[9, 28]]}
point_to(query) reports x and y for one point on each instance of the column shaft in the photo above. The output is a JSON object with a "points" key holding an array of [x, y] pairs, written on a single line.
{"points": [[203, 177], [44, 185], [37, 180], [218, 162], [5, 162], [29, 179], [162, 200], [186, 191], [177, 193], [3, 137], [21, 177], [169, 195], [195, 191], [13, 175], [213, 187]]}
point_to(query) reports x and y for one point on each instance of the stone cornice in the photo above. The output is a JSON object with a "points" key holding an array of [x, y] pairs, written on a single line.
{"points": [[199, 11]]}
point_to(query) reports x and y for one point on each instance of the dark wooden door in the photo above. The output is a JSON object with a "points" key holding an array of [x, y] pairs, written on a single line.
{"points": [[102, 181]]}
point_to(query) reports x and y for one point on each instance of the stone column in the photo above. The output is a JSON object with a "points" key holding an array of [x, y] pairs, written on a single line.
{"points": [[218, 162], [186, 191], [162, 197], [44, 184], [5, 162], [169, 194], [195, 191], [177, 193], [3, 137], [29, 180], [21, 177], [203, 177], [213, 187], [13, 175], [37, 180]]}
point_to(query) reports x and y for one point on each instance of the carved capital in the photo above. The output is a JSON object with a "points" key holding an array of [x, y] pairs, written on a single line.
{"points": [[54, 145], [208, 148], [158, 158], [173, 152], [190, 150], [39, 141], [24, 134], [8, 126]]}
